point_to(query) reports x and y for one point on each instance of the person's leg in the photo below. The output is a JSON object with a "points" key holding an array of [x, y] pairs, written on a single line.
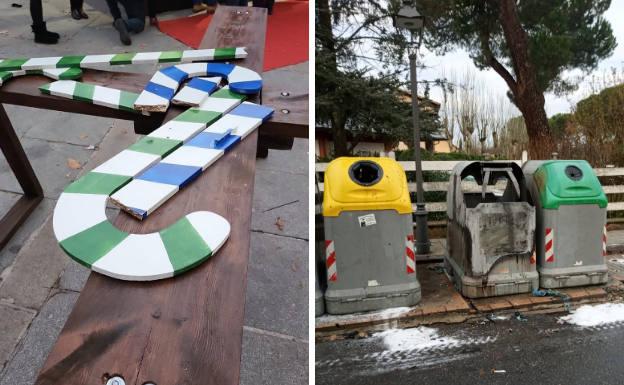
{"points": [[36, 11], [42, 35], [76, 10], [113, 7], [118, 23], [135, 9]]}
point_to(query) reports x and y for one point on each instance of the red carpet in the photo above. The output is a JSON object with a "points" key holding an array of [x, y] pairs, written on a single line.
{"points": [[286, 39]]}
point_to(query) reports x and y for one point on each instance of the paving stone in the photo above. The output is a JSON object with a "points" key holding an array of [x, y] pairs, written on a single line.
{"points": [[7, 200], [38, 341], [294, 161], [270, 194], [24, 233], [277, 285], [576, 294], [541, 300], [595, 292], [69, 128], [74, 277], [272, 360], [13, 324], [49, 161], [433, 309], [35, 270], [521, 300], [500, 304]]}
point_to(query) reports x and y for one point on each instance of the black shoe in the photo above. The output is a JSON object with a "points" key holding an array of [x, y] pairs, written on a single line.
{"points": [[43, 36], [124, 36], [83, 14], [75, 14]]}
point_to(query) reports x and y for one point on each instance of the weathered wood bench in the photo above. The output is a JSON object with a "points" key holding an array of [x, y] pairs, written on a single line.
{"points": [[186, 330]]}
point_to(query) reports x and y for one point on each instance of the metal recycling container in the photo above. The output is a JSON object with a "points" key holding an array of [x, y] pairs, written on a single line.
{"points": [[490, 232], [369, 240], [571, 221]]}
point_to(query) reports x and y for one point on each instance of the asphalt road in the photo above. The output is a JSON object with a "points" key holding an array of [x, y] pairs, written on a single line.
{"points": [[537, 351]]}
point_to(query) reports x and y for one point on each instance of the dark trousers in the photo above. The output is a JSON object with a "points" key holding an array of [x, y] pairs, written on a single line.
{"points": [[36, 12], [135, 9], [76, 4]]}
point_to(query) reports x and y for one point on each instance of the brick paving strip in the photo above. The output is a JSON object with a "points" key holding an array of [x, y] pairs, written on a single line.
{"points": [[441, 303]]}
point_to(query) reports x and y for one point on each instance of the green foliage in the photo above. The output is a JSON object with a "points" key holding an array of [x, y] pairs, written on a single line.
{"points": [[599, 120], [558, 124], [360, 57], [563, 34]]}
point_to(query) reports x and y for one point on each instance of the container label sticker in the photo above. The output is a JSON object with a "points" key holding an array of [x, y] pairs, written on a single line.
{"points": [[367, 220]]}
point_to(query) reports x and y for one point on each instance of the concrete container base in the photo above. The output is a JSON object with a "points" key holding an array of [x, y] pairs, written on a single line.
{"points": [[493, 284], [381, 297], [319, 304], [573, 276]]}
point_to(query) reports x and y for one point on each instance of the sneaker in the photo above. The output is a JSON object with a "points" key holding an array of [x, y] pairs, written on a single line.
{"points": [[124, 36]]}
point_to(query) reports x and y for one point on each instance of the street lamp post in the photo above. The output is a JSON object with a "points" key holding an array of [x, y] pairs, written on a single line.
{"points": [[409, 18]]}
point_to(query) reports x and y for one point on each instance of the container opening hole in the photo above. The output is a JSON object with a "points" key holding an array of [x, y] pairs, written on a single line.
{"points": [[365, 173]]}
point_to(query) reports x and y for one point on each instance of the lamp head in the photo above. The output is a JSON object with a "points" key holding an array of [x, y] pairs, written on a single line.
{"points": [[409, 18]]}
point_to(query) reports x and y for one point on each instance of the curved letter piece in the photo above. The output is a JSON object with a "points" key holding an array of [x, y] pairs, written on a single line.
{"points": [[140, 179], [53, 73], [163, 85]]}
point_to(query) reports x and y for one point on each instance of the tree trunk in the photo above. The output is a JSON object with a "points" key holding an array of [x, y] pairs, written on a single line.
{"points": [[541, 144], [324, 32], [340, 140], [528, 96]]}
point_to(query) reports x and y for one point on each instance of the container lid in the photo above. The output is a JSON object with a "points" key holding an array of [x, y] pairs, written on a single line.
{"points": [[365, 184], [568, 182]]}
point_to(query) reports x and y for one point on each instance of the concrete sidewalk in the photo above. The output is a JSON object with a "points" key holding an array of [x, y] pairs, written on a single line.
{"points": [[442, 303], [39, 284]]}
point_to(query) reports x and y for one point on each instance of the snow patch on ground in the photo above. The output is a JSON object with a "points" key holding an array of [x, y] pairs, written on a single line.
{"points": [[415, 338], [594, 315]]}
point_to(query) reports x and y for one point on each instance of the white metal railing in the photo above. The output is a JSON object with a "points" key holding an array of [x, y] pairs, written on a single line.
{"points": [[440, 206]]}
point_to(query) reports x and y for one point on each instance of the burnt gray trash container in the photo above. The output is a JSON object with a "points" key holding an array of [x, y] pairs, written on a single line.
{"points": [[490, 231], [570, 225], [369, 241]]}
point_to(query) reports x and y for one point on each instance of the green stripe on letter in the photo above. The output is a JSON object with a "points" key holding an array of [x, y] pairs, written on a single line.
{"points": [[93, 243], [185, 247], [98, 183]]}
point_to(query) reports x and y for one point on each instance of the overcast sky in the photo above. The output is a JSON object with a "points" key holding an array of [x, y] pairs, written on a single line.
{"points": [[458, 61]]}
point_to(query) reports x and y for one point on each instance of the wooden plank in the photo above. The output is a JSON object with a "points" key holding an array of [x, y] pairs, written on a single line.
{"points": [[613, 189], [18, 162], [186, 330], [615, 206], [428, 165], [286, 90], [24, 91], [427, 186], [611, 171]]}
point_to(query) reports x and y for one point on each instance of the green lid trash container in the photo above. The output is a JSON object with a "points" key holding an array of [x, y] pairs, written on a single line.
{"points": [[490, 231], [571, 212], [369, 241]]}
